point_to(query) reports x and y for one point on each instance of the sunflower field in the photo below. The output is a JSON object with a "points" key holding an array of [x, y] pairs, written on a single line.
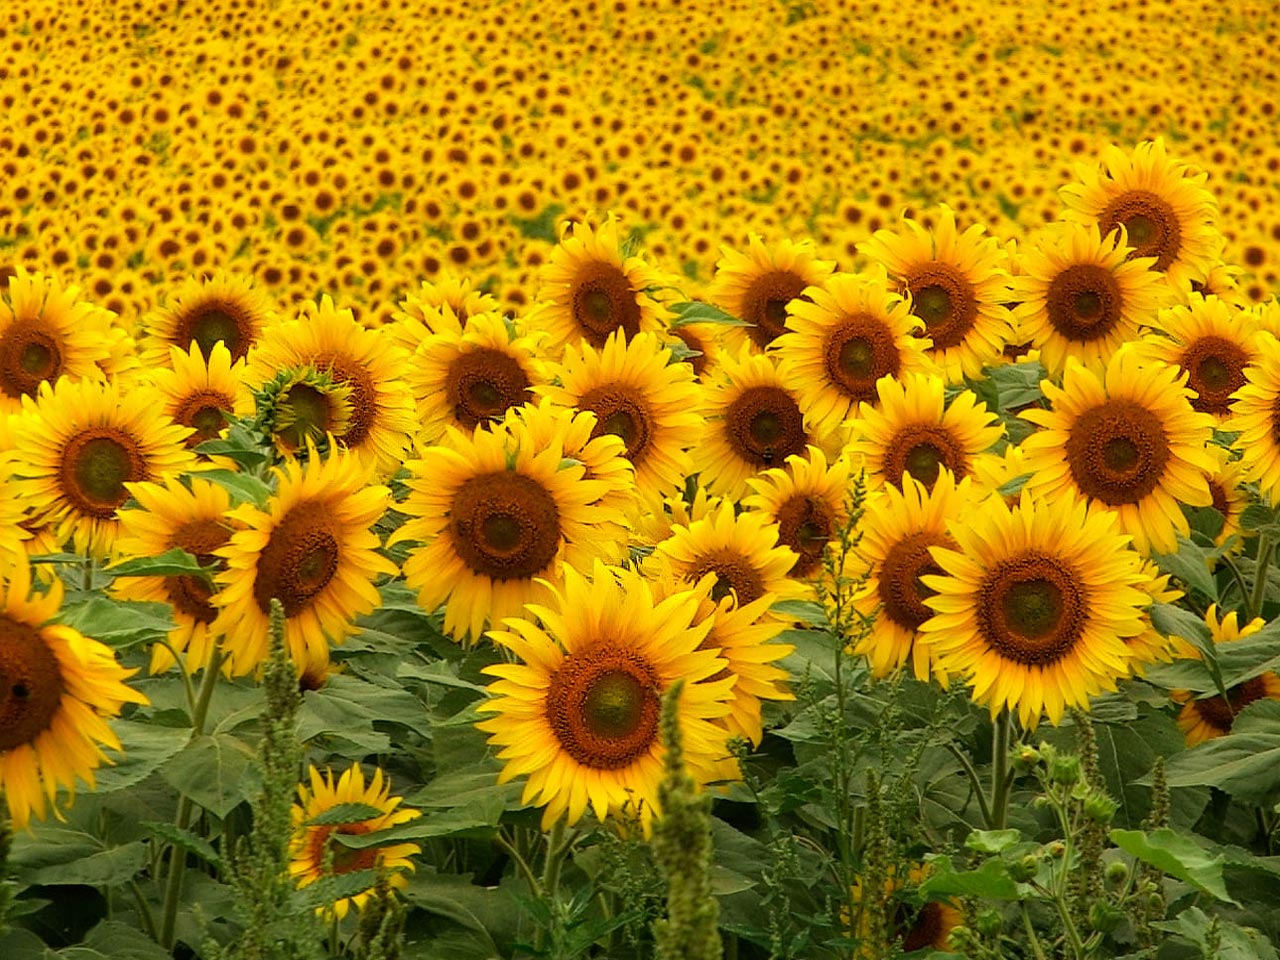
{"points": [[625, 479]]}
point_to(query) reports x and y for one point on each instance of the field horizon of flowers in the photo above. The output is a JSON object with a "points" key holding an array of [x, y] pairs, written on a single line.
{"points": [[763, 480]]}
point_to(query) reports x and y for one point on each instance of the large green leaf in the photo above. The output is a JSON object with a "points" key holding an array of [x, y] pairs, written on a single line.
{"points": [[1177, 855], [1233, 942], [146, 748], [61, 855], [211, 771], [991, 879], [112, 940], [172, 563], [1245, 763], [119, 623]]}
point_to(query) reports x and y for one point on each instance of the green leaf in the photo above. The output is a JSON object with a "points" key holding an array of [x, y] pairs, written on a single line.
{"points": [[119, 623], [1245, 763], [991, 879], [1189, 566], [1178, 856], [1174, 621], [345, 813], [210, 770], [243, 487], [992, 841], [806, 611], [62, 855], [113, 940], [146, 748], [1250, 656], [1233, 942], [185, 840], [171, 563], [697, 312], [1256, 516]]}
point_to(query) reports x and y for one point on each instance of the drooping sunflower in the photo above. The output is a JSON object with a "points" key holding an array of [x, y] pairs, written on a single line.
{"points": [[914, 431], [1082, 296], [495, 514], [79, 443], [60, 688], [206, 310], [757, 286], [1255, 416], [890, 558], [312, 549], [312, 843], [172, 516], [578, 715], [958, 284], [382, 415], [201, 390], [840, 341], [1161, 202], [47, 332], [1127, 439], [638, 394], [1033, 605]]}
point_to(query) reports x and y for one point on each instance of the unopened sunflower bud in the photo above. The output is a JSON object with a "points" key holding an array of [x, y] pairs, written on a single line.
{"points": [[1025, 869], [1057, 849], [1103, 917], [1099, 808], [1117, 873], [1025, 759], [1065, 770]]}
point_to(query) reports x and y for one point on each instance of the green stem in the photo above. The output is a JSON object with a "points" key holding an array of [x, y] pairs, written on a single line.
{"points": [[521, 864], [1236, 575], [182, 668], [1032, 939], [979, 790], [144, 910], [557, 847], [87, 570], [333, 935], [1260, 575], [1000, 779]]}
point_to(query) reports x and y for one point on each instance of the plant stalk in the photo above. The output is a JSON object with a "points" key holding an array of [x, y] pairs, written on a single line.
{"points": [[1260, 575], [1000, 780]]}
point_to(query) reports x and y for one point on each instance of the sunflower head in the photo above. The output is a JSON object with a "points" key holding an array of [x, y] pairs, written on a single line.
{"points": [[218, 309], [202, 390]]}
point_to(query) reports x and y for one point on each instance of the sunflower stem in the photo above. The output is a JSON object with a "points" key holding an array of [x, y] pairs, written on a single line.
{"points": [[1260, 575], [979, 789], [1000, 779], [522, 865], [557, 846]]}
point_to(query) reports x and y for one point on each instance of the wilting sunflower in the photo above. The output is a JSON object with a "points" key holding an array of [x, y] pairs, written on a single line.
{"points": [[756, 286], [806, 499], [638, 394], [892, 555], [754, 422], [1161, 202], [589, 290], [78, 445], [382, 416], [470, 375], [172, 516], [913, 431], [840, 341], [578, 715], [1255, 416], [47, 332], [1127, 439], [312, 843], [312, 550], [221, 308], [1034, 604], [495, 515], [201, 390], [1081, 296], [959, 286], [59, 689]]}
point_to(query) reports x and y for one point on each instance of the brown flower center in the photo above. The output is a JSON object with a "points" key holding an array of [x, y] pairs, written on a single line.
{"points": [[213, 321], [623, 412], [901, 591], [343, 858], [483, 384], [202, 410], [1151, 223], [604, 301], [1215, 368], [1032, 609], [922, 449], [96, 464], [859, 351], [190, 594], [31, 684], [505, 525], [694, 342], [29, 355], [765, 304], [806, 525], [602, 705], [299, 560], [1221, 714], [734, 573], [363, 397], [945, 300], [1117, 452], [1084, 302], [764, 426]]}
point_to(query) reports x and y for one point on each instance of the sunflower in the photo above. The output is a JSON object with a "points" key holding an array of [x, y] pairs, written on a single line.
{"points": [[913, 925], [312, 844], [77, 446], [1034, 604], [172, 516], [578, 715], [899, 528], [1161, 202], [1227, 490], [59, 689], [201, 390], [958, 284], [442, 305], [848, 334], [311, 549], [495, 514], [913, 431], [757, 286], [1005, 471], [221, 308], [1152, 646], [330, 341], [47, 332], [638, 394], [653, 520], [1255, 416], [1081, 296], [1127, 439]]}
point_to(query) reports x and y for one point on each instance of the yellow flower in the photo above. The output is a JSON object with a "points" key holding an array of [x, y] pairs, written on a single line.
{"points": [[199, 389], [1255, 416], [757, 286], [220, 308], [807, 500]]}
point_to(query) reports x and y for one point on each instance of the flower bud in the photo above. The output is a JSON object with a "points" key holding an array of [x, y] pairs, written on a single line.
{"points": [[1099, 808], [1057, 849], [1117, 873], [1025, 869], [1103, 917], [988, 923], [1025, 759], [1065, 770]]}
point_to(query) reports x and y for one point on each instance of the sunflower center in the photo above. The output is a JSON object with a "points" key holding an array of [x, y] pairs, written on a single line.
{"points": [[29, 355], [922, 450], [944, 299], [1117, 452], [621, 411], [31, 684], [859, 352], [202, 411], [344, 859], [604, 301], [190, 594], [212, 323], [1084, 302], [900, 588], [1221, 714], [96, 464], [299, 560], [313, 413], [363, 397], [734, 575], [806, 525], [926, 929], [602, 705], [1032, 609], [764, 426], [483, 384], [1215, 368], [505, 525], [764, 305], [1151, 223]]}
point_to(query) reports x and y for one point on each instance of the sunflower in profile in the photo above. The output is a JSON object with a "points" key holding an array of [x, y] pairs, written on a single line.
{"points": [[1152, 646], [466, 376], [1226, 487], [1255, 416], [840, 341], [1161, 202], [1127, 439], [47, 332], [757, 286], [638, 394], [914, 431], [170, 516], [892, 556], [202, 390], [312, 549], [312, 843], [958, 284], [807, 500], [1082, 296], [590, 289], [382, 415], [439, 306], [578, 714], [221, 308], [495, 516], [1033, 605], [79, 443], [59, 688]]}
